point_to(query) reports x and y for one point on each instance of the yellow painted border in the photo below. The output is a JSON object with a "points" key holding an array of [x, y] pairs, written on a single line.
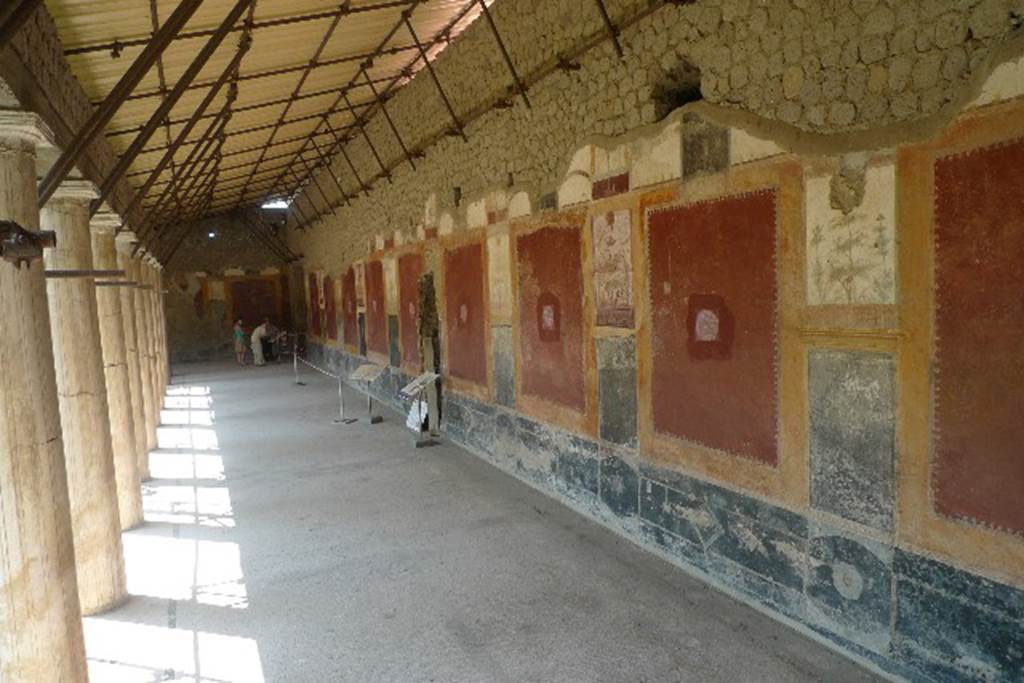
{"points": [[534, 406], [787, 482], [999, 553], [446, 243]]}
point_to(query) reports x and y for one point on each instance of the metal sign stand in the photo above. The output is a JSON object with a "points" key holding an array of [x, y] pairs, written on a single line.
{"points": [[416, 390], [369, 373], [341, 419]]}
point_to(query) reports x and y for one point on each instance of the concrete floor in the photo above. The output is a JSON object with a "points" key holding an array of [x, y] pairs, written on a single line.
{"points": [[281, 547]]}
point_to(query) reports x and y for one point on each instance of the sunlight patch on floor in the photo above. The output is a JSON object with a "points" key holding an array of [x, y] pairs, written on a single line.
{"points": [[200, 505], [162, 565], [207, 572], [127, 652], [186, 437], [187, 402], [179, 465], [186, 416]]}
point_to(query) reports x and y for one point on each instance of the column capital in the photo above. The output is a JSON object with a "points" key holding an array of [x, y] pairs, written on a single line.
{"points": [[76, 190], [145, 258], [125, 241], [26, 125], [105, 222]]}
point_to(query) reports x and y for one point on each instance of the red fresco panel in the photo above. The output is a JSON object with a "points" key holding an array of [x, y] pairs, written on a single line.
{"points": [[410, 268], [464, 313], [314, 306], [551, 315], [979, 328], [376, 309], [330, 308], [713, 291], [349, 315], [252, 300]]}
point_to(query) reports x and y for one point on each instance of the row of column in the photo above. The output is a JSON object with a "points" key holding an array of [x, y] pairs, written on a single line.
{"points": [[84, 369]]}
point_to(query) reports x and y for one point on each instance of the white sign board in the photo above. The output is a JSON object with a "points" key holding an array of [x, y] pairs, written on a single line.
{"points": [[367, 373], [413, 388]]}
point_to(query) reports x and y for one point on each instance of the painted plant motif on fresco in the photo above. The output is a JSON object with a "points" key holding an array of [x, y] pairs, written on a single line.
{"points": [[851, 254], [500, 274], [360, 284], [613, 269]]}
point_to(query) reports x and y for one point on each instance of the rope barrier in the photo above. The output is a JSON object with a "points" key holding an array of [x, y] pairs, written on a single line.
{"points": [[373, 419], [316, 367], [341, 419]]}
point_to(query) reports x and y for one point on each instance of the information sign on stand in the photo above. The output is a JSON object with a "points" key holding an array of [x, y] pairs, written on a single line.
{"points": [[368, 373], [416, 390]]}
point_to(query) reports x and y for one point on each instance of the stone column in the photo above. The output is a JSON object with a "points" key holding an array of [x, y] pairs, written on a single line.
{"points": [[143, 336], [125, 243], [115, 368], [82, 389], [159, 335], [165, 362], [146, 275], [40, 622]]}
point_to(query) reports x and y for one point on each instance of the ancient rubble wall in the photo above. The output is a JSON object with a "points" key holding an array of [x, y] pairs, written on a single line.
{"points": [[798, 365], [829, 73]]}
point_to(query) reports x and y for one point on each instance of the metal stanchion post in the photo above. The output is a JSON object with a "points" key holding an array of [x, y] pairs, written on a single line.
{"points": [[341, 404], [374, 419], [295, 360]]}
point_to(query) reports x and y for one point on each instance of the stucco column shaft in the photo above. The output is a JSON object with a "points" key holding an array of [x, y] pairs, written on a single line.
{"points": [[142, 337], [124, 243], [151, 334], [115, 368], [40, 623], [165, 363], [82, 389], [158, 330]]}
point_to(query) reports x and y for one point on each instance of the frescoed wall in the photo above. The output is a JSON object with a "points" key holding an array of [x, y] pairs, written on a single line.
{"points": [[202, 308], [550, 331], [376, 309], [713, 296], [465, 326], [979, 329], [314, 304], [410, 268], [330, 309], [795, 371], [349, 314], [613, 268]]}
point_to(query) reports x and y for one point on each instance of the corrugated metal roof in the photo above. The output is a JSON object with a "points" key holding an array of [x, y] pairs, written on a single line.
{"points": [[103, 37]]}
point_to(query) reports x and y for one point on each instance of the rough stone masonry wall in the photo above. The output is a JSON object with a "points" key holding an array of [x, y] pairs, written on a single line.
{"points": [[824, 74]]}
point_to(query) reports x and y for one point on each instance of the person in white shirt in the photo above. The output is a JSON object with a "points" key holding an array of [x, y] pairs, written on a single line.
{"points": [[258, 335]]}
